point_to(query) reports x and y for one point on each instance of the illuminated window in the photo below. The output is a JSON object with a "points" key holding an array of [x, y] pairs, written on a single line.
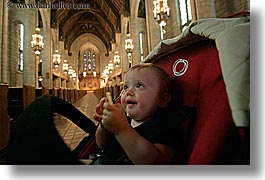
{"points": [[93, 62], [85, 62], [89, 61], [141, 46], [20, 46], [185, 13]]}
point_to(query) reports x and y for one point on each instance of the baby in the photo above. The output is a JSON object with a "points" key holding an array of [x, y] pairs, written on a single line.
{"points": [[139, 130]]}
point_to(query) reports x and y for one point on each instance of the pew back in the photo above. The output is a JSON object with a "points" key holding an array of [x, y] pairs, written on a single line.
{"points": [[4, 120]]}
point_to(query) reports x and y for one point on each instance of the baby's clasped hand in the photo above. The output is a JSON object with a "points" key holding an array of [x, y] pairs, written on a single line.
{"points": [[99, 107], [114, 118]]}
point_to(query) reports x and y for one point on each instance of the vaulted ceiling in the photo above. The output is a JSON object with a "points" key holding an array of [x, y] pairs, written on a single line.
{"points": [[99, 17]]}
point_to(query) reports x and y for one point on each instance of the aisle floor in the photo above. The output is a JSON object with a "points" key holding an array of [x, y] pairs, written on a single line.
{"points": [[70, 133]]}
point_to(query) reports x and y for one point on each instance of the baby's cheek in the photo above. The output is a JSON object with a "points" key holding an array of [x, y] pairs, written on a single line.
{"points": [[123, 104]]}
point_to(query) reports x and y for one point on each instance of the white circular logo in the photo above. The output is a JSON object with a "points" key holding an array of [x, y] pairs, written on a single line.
{"points": [[181, 71]]}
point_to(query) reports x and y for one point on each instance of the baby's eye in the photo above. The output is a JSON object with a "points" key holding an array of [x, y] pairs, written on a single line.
{"points": [[125, 87], [139, 85]]}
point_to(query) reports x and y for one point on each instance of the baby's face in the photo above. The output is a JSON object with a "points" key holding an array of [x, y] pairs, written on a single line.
{"points": [[140, 98]]}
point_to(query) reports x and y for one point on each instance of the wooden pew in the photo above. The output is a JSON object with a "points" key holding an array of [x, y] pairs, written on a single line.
{"points": [[29, 95], [19, 98], [72, 96], [39, 92], [60, 93], [4, 119], [15, 102], [45, 91], [65, 94], [55, 92]]}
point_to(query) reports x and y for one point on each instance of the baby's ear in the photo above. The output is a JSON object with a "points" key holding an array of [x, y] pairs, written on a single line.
{"points": [[164, 100]]}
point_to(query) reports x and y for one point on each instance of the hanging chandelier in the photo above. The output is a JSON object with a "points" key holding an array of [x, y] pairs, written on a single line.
{"points": [[110, 67], [116, 59], [56, 59], [37, 45], [65, 66], [128, 45], [161, 14], [37, 42]]}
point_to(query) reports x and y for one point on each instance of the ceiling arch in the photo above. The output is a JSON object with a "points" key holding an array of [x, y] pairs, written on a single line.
{"points": [[87, 41], [100, 18]]}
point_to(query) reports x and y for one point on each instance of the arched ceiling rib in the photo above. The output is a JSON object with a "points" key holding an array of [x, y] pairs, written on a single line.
{"points": [[100, 17]]}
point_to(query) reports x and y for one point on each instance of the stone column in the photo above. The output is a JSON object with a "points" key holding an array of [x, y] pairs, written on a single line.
{"points": [[205, 9], [29, 75], [1, 36], [46, 53], [46, 56], [4, 43], [153, 29]]}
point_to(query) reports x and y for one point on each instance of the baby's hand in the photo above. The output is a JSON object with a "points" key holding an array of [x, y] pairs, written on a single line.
{"points": [[99, 109], [114, 118]]}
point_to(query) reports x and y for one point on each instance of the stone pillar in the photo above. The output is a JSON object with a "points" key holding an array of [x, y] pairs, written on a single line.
{"points": [[205, 9], [46, 56], [46, 53], [1, 36], [11, 19], [153, 29], [30, 65], [173, 25], [4, 43]]}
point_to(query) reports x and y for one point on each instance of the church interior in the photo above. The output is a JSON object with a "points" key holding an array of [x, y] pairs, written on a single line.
{"points": [[74, 47]]}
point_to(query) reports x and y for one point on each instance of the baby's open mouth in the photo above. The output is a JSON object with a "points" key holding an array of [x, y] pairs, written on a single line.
{"points": [[131, 102]]}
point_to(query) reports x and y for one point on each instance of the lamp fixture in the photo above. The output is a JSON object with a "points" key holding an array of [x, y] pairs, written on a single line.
{"points": [[129, 48], [105, 72], [116, 59], [65, 66], [161, 14], [73, 75], [128, 45], [84, 73], [37, 41], [110, 67], [37, 45], [94, 73], [56, 59]]}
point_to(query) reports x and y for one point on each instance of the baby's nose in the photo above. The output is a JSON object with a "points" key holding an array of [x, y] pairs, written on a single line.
{"points": [[129, 92]]}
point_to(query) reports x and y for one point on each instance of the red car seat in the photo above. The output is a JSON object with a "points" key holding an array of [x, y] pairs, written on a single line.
{"points": [[214, 138], [210, 62]]}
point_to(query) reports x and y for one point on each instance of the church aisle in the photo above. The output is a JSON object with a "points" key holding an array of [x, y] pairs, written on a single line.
{"points": [[70, 133]]}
